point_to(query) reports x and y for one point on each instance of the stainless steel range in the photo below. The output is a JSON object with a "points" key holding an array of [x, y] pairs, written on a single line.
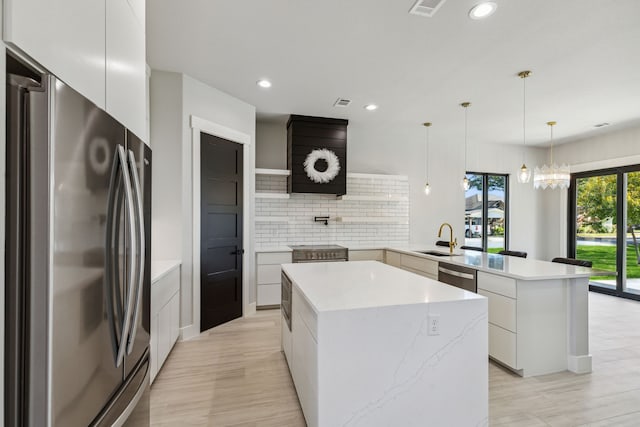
{"points": [[319, 253]]}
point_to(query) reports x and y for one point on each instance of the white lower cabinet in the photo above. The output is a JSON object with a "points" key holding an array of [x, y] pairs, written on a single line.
{"points": [[165, 318], [502, 345], [366, 255], [268, 277], [415, 264], [527, 323]]}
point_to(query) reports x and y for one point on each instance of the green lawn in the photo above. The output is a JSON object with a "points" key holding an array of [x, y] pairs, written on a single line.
{"points": [[604, 258]]}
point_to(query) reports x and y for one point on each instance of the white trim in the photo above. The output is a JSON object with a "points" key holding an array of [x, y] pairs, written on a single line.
{"points": [[251, 309], [579, 364], [189, 332], [199, 125]]}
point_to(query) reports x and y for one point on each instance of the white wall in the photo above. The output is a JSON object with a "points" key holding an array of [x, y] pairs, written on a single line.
{"points": [[601, 151], [271, 155], [218, 107], [174, 99], [400, 149], [166, 137]]}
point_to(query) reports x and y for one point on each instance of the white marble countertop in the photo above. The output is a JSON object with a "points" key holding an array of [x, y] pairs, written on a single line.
{"points": [[331, 286], [161, 267], [264, 249], [509, 266]]}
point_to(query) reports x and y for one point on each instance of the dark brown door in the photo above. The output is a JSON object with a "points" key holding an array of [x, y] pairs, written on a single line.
{"points": [[221, 231]]}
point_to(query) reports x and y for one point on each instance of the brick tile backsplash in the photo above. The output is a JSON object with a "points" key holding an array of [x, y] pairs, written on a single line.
{"points": [[300, 209]]}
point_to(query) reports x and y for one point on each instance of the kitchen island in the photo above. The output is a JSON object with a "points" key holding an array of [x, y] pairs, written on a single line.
{"points": [[538, 310], [373, 345]]}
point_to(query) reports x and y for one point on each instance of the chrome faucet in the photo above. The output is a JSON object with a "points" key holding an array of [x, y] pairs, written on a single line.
{"points": [[452, 242]]}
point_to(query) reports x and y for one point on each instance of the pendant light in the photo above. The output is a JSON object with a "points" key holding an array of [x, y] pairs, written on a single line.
{"points": [[552, 176], [427, 187], [524, 173], [465, 181]]}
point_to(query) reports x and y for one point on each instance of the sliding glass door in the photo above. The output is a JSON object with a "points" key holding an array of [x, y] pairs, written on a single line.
{"points": [[605, 227]]}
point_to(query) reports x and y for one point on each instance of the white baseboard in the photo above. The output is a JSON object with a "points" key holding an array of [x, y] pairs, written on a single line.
{"points": [[250, 310], [189, 332], [579, 364]]}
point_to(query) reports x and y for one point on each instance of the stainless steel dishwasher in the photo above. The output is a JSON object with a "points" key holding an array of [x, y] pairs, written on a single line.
{"points": [[455, 275]]}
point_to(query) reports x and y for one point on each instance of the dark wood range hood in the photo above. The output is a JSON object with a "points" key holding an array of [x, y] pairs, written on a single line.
{"points": [[307, 134]]}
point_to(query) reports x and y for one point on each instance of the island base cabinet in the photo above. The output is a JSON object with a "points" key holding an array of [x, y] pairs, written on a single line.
{"points": [[379, 366], [305, 358], [285, 340], [527, 323], [502, 346]]}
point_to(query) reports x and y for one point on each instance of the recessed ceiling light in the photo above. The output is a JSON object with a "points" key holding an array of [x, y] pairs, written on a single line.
{"points": [[483, 10], [264, 83], [370, 107]]}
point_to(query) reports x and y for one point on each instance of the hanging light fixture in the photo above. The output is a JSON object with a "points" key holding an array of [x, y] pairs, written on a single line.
{"points": [[552, 176], [465, 181], [524, 173], [427, 187]]}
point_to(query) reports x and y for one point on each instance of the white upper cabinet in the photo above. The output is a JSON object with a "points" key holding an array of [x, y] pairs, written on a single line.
{"points": [[138, 7], [95, 46], [126, 66], [64, 36]]}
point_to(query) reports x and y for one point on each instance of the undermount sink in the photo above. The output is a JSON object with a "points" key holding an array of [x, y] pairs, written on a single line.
{"points": [[440, 253]]}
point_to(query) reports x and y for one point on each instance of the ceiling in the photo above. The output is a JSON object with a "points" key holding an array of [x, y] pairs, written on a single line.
{"points": [[584, 56]]}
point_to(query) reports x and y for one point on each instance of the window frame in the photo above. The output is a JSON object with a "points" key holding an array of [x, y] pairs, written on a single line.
{"points": [[485, 207]]}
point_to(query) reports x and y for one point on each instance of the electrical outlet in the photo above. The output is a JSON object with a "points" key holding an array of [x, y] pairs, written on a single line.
{"points": [[434, 324]]}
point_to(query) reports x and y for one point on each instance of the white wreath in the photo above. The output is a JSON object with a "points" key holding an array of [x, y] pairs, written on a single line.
{"points": [[333, 165]]}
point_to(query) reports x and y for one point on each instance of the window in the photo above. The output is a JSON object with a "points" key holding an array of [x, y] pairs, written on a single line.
{"points": [[485, 214]]}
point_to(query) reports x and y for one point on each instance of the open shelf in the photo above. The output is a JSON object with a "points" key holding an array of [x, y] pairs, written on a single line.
{"points": [[281, 172], [272, 195], [374, 198], [282, 219], [373, 219]]}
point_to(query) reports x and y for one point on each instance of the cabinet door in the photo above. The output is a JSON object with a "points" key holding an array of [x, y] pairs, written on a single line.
{"points": [[67, 37], [164, 334], [126, 67], [175, 318], [366, 255]]}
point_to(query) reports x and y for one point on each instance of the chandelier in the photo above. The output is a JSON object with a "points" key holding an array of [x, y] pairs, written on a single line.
{"points": [[552, 176]]}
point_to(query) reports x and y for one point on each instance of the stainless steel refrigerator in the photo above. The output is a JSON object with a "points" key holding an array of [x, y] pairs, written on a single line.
{"points": [[78, 265]]}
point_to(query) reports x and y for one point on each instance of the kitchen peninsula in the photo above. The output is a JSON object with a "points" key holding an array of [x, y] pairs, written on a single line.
{"points": [[538, 310], [373, 345]]}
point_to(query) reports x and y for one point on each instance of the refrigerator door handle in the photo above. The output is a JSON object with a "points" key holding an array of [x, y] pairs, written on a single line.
{"points": [[110, 254], [133, 248], [141, 236]]}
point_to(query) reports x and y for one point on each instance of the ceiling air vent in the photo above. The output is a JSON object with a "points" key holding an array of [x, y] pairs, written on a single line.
{"points": [[426, 7], [341, 102]]}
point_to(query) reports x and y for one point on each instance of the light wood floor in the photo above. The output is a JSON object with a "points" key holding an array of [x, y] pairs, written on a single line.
{"points": [[236, 376]]}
